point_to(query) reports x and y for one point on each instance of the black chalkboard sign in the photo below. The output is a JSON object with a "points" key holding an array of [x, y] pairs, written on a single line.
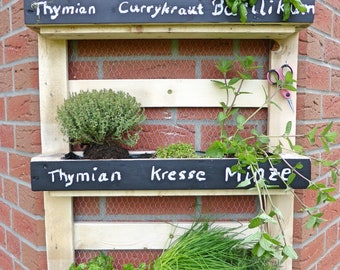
{"points": [[156, 174], [41, 12]]}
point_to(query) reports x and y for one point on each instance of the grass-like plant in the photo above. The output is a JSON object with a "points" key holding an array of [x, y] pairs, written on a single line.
{"points": [[101, 117], [208, 246]]}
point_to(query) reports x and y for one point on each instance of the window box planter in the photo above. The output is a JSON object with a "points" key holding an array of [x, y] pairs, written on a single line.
{"points": [[51, 173]]}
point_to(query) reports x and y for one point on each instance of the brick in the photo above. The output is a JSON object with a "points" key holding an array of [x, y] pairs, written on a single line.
{"points": [[332, 55], [335, 80], [330, 106], [197, 113], [5, 216], [336, 26], [88, 206], [32, 230], [3, 162], [7, 136], [322, 18], [300, 232], [259, 47], [150, 206], [159, 113], [21, 45], [6, 80], [315, 45], [33, 259], [20, 167], [2, 237], [154, 136], [149, 69], [333, 3], [221, 47], [23, 108], [228, 205], [13, 244], [32, 202], [209, 70], [83, 70], [2, 109], [136, 47], [308, 106], [28, 139], [306, 196], [5, 261], [4, 22], [17, 15], [311, 252], [26, 76], [10, 191], [303, 43], [313, 76], [331, 237], [331, 259]]}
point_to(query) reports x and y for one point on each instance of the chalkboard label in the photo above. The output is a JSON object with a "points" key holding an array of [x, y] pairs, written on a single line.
{"points": [[157, 174], [42, 12]]}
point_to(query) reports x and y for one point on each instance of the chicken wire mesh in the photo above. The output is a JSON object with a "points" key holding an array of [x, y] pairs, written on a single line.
{"points": [[166, 59]]}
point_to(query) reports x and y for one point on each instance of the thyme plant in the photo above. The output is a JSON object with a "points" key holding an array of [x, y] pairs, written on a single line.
{"points": [[101, 117], [252, 150]]}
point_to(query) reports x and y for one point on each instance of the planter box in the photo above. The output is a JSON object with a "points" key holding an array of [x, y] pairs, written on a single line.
{"points": [[53, 173]]}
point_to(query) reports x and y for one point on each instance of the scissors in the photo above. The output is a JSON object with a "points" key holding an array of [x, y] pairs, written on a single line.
{"points": [[277, 77]]}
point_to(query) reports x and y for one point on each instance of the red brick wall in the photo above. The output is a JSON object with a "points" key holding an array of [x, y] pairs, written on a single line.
{"points": [[318, 104], [22, 239], [21, 211]]}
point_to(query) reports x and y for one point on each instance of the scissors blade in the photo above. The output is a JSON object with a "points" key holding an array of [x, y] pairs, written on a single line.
{"points": [[290, 103]]}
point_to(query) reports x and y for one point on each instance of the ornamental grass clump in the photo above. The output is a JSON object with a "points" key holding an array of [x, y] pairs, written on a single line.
{"points": [[105, 117], [209, 247]]}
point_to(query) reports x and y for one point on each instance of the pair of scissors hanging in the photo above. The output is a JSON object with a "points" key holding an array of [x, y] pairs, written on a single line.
{"points": [[277, 77]]}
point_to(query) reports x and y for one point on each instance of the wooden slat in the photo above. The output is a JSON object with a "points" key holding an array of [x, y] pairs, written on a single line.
{"points": [[140, 193], [181, 31], [58, 211], [178, 92], [136, 235]]}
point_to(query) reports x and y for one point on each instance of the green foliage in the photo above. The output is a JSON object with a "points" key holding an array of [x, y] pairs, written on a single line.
{"points": [[254, 149], [240, 7], [176, 150], [130, 266], [207, 246], [100, 262], [98, 117]]}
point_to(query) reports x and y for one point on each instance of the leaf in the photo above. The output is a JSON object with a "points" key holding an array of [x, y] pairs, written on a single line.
{"points": [[311, 135], [291, 178], [221, 117], [233, 81], [255, 222], [240, 121], [244, 183], [289, 252], [288, 128], [331, 137]]}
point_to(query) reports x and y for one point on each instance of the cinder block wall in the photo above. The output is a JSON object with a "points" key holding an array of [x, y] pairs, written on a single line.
{"points": [[21, 211]]}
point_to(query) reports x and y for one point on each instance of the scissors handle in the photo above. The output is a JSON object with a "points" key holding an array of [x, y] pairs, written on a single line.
{"points": [[286, 94], [273, 76], [284, 69]]}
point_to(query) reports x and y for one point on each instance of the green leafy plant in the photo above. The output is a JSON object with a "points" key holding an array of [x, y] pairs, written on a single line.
{"points": [[176, 150], [100, 262], [101, 117], [208, 246], [255, 149], [130, 266], [240, 7]]}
